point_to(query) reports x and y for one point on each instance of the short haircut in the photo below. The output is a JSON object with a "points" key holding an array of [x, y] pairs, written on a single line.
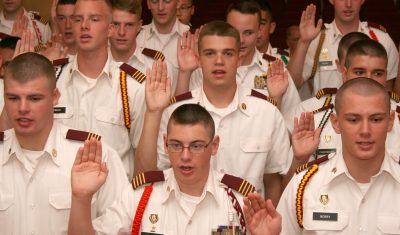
{"points": [[265, 6], [108, 4], [250, 7], [192, 114], [29, 66], [361, 86], [9, 43], [131, 6], [348, 40], [219, 28], [289, 30], [367, 47], [66, 2]]}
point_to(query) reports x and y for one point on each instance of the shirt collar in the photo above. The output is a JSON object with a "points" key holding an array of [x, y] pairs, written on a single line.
{"points": [[337, 35], [178, 28]]}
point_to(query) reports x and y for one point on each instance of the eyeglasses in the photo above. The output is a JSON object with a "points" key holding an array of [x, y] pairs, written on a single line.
{"points": [[195, 148], [185, 8]]}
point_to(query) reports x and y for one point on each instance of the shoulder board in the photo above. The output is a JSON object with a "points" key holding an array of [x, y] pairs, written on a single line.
{"points": [[1, 136], [308, 164], [376, 26], [269, 58], [153, 54], [147, 177], [325, 91], [282, 52], [238, 184], [40, 47], [134, 73], [59, 62], [81, 135], [4, 35], [394, 96], [38, 17], [330, 106], [262, 96], [397, 109], [181, 97]]}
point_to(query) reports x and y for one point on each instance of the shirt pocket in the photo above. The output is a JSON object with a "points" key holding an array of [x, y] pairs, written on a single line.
{"points": [[318, 225], [109, 117], [254, 145], [6, 212], [389, 224], [60, 205]]}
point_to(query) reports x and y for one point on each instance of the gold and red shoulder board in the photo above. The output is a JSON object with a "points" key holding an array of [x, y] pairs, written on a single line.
{"points": [[4, 35], [60, 62], [181, 97], [394, 96], [238, 184], [38, 17], [262, 96], [325, 91], [376, 26], [153, 54], [147, 177], [269, 58], [308, 164], [282, 52], [134, 73], [81, 135]]}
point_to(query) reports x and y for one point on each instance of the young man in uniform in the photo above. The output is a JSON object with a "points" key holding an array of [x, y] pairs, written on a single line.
{"points": [[185, 11], [64, 13], [313, 64], [97, 95], [254, 138], [35, 169]]}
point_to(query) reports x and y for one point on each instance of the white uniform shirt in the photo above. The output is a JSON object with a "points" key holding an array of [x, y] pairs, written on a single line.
{"points": [[376, 212], [253, 137], [166, 202], [42, 32], [327, 74], [149, 37], [39, 201], [99, 108]]}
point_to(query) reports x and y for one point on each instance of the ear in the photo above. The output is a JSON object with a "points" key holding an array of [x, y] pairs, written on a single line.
{"points": [[391, 121], [148, 4], [335, 123], [109, 30], [215, 145], [56, 96], [331, 2], [272, 27]]}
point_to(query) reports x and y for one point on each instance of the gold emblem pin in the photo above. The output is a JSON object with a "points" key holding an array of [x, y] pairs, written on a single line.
{"points": [[324, 199], [327, 138], [54, 153], [244, 106], [153, 219], [334, 170]]}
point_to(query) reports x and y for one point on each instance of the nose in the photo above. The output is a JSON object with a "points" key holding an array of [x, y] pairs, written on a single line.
{"points": [[348, 3], [121, 30], [186, 156], [161, 5], [23, 106], [68, 23], [219, 59], [85, 24], [365, 128]]}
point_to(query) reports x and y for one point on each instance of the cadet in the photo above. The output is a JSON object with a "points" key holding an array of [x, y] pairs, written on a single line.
{"points": [[317, 47], [185, 11], [64, 13], [14, 12], [35, 169]]}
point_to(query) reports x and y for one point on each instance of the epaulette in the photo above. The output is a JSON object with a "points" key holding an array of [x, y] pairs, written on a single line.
{"points": [[40, 47], [262, 96], [1, 136], [394, 96], [329, 106], [147, 177], [308, 164], [376, 26], [240, 185], [282, 52], [325, 91], [269, 58], [59, 62], [38, 17], [153, 54], [81, 135], [4, 35], [134, 73], [184, 96]]}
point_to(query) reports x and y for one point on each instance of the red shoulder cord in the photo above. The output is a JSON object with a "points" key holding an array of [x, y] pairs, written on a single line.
{"points": [[137, 221]]}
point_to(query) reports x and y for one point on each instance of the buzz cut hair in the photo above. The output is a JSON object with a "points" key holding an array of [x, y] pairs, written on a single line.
{"points": [[366, 47], [348, 40], [361, 86], [29, 66], [192, 114], [219, 28], [250, 7], [131, 6]]}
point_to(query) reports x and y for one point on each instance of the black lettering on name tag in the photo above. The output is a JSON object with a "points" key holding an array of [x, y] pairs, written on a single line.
{"points": [[325, 63], [323, 216], [325, 151], [147, 233], [59, 109]]}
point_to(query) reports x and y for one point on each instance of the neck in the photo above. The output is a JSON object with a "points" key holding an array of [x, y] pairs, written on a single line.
{"points": [[122, 56], [220, 96], [193, 188], [12, 15], [35, 143], [165, 29], [363, 170], [347, 27], [92, 63], [72, 49], [264, 47], [247, 59]]}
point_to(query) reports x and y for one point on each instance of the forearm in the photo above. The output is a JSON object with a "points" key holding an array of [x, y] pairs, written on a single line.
{"points": [[80, 221], [296, 62], [273, 187], [146, 152], [183, 82]]}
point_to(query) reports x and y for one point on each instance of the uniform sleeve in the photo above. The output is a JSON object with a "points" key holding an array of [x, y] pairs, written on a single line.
{"points": [[137, 109]]}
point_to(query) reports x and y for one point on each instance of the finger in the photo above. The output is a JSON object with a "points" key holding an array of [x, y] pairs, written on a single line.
{"points": [[85, 151], [104, 168], [99, 152], [295, 125], [159, 71], [271, 209], [317, 134], [312, 123], [179, 44], [164, 75], [31, 42], [78, 157], [148, 76], [92, 150]]}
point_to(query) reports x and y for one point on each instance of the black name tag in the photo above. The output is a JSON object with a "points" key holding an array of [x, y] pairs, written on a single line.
{"points": [[323, 216], [325, 63], [147, 233], [59, 109], [325, 151]]}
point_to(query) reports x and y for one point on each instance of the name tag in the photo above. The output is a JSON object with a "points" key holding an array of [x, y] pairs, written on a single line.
{"points": [[59, 110], [325, 151], [325, 63], [322, 216], [147, 233]]}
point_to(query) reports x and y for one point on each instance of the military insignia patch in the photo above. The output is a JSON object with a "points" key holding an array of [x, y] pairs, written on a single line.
{"points": [[260, 81]]}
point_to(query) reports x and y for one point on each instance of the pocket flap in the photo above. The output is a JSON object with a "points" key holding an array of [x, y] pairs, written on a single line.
{"points": [[6, 200], [389, 224], [252, 145]]}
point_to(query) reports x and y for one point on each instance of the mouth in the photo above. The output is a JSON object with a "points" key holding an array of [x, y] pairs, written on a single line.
{"points": [[24, 122], [186, 170], [218, 73], [365, 145], [85, 38]]}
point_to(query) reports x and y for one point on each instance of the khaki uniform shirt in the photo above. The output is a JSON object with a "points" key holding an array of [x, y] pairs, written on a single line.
{"points": [[38, 200]]}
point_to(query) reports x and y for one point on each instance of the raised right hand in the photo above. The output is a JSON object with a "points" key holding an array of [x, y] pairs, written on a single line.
{"points": [[305, 138], [308, 29]]}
